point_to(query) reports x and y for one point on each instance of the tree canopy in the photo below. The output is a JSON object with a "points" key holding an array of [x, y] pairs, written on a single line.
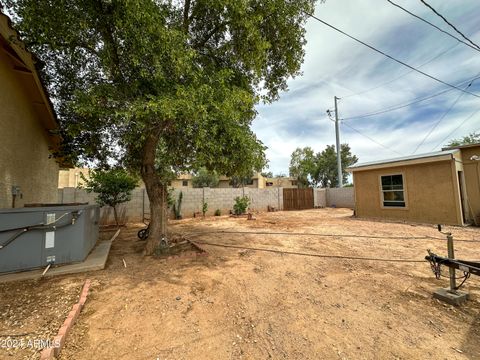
{"points": [[472, 138], [320, 169], [163, 87], [205, 178]]}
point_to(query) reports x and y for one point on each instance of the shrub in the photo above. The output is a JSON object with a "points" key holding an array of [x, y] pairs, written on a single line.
{"points": [[241, 205], [218, 212], [204, 208]]}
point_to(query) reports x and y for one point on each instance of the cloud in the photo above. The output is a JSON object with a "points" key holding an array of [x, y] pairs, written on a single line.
{"points": [[336, 65]]}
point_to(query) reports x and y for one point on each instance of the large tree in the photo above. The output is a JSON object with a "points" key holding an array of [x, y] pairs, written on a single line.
{"points": [[164, 87], [320, 169], [326, 170], [302, 165]]}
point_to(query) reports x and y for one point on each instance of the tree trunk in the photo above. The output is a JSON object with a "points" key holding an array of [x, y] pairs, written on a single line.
{"points": [[157, 194], [115, 215]]}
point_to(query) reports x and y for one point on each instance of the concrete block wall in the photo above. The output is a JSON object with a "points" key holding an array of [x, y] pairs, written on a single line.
{"points": [[192, 201], [341, 197], [320, 197]]}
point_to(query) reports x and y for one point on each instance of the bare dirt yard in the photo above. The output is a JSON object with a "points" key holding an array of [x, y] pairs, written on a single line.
{"points": [[244, 303]]}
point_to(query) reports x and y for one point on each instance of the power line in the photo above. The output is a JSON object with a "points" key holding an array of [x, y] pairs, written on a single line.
{"points": [[391, 57], [441, 118], [401, 76], [458, 127], [449, 23], [435, 26], [373, 140], [292, 233], [400, 106], [310, 254]]}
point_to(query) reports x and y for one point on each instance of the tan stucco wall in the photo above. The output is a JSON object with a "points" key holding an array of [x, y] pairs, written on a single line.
{"points": [[431, 193], [24, 154], [471, 170]]}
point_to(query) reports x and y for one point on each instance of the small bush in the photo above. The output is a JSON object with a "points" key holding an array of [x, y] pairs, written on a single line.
{"points": [[241, 205], [218, 212], [204, 208]]}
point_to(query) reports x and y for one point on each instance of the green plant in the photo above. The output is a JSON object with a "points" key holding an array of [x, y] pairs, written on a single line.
{"points": [[177, 207], [204, 208], [112, 187], [241, 205], [218, 212]]}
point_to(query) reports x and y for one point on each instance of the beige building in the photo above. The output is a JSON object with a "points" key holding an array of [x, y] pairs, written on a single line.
{"points": [[72, 177], [284, 182], [440, 187], [28, 174]]}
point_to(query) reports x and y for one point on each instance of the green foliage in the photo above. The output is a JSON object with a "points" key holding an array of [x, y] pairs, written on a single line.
{"points": [[177, 207], [326, 172], [186, 75], [302, 165], [267, 174], [205, 178], [241, 205], [112, 187], [472, 138], [218, 212], [320, 169], [204, 208]]}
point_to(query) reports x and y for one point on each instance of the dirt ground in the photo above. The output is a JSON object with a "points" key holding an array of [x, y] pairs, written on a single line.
{"points": [[249, 304]]}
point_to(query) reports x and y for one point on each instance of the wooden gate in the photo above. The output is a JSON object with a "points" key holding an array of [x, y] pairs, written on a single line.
{"points": [[297, 199]]}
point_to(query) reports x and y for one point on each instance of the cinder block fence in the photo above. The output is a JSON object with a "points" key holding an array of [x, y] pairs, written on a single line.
{"points": [[221, 199]]}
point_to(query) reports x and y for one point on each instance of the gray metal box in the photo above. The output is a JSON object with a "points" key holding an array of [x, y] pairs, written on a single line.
{"points": [[63, 242]]}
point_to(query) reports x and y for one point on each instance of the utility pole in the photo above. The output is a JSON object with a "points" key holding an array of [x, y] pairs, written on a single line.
{"points": [[337, 135]]}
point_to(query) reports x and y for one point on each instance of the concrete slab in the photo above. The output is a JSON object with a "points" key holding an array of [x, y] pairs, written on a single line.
{"points": [[445, 295], [96, 260]]}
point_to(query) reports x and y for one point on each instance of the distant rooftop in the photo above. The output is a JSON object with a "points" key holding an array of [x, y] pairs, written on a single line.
{"points": [[405, 158]]}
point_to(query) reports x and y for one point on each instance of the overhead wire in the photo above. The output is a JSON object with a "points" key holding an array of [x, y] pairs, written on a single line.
{"points": [[391, 57], [442, 117], [458, 127], [401, 76], [371, 139], [449, 23], [435, 26], [403, 105]]}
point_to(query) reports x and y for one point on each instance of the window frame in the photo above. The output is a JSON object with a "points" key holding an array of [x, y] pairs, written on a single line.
{"points": [[183, 183], [405, 192]]}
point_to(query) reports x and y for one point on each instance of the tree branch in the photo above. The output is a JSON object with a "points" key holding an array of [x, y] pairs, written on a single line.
{"points": [[186, 20]]}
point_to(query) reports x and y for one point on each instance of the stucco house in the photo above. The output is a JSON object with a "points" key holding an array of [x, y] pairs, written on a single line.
{"points": [[439, 187], [28, 173]]}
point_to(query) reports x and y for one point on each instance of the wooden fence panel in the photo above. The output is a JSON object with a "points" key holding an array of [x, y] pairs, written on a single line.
{"points": [[297, 199]]}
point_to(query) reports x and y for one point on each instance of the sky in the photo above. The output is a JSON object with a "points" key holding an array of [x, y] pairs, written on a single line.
{"points": [[367, 82]]}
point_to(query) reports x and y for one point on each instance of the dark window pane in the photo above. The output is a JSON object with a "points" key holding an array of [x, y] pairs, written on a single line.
{"points": [[398, 195], [386, 181], [394, 204], [397, 180]]}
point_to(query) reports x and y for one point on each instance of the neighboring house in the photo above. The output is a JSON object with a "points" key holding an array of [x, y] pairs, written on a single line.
{"points": [[440, 187], [284, 182], [28, 173], [72, 177]]}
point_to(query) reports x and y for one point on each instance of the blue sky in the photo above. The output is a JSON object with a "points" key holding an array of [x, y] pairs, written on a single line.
{"points": [[338, 66]]}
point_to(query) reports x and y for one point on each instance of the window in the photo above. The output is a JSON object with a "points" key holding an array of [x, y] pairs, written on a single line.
{"points": [[393, 191], [294, 182], [268, 183], [185, 183]]}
